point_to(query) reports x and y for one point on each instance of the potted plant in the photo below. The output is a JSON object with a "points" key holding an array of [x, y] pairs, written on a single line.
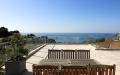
{"points": [[16, 53]]}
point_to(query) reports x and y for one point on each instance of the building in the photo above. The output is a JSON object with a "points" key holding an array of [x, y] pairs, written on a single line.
{"points": [[118, 36]]}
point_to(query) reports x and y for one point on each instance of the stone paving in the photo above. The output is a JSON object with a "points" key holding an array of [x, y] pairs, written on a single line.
{"points": [[104, 57], [36, 58]]}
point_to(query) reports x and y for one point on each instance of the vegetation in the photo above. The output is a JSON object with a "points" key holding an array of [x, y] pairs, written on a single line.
{"points": [[100, 40], [14, 46], [2, 54], [16, 49], [2, 49], [44, 39], [5, 33], [51, 41], [30, 35]]}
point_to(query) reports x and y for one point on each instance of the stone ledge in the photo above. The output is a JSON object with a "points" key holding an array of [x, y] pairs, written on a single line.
{"points": [[34, 51], [107, 49]]}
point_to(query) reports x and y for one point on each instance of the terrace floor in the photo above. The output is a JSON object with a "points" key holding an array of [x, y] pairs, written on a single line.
{"points": [[107, 57]]}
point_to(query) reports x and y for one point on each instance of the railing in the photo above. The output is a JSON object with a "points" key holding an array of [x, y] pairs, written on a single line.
{"points": [[68, 54], [74, 70]]}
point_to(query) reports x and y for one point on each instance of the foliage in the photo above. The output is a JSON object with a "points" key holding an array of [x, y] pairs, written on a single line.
{"points": [[12, 32], [100, 40], [2, 54], [2, 49], [30, 35], [12, 45], [5, 39], [16, 50], [31, 38], [51, 41], [44, 39], [17, 39], [4, 32]]}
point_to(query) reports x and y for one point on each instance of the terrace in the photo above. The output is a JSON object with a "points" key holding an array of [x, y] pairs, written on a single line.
{"points": [[98, 56]]}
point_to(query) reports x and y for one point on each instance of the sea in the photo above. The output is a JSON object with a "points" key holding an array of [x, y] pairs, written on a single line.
{"points": [[76, 37]]}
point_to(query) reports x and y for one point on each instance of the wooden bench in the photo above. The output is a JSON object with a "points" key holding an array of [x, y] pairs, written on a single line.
{"points": [[74, 70], [45, 70], [68, 54], [101, 70], [71, 62]]}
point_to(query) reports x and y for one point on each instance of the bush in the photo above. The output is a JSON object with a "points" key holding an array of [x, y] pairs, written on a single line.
{"points": [[16, 50], [51, 41], [2, 49], [100, 40]]}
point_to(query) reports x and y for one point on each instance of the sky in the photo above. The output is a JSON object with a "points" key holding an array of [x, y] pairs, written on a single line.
{"points": [[61, 16]]}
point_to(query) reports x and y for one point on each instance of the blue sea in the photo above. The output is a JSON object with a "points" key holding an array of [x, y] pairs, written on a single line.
{"points": [[76, 37]]}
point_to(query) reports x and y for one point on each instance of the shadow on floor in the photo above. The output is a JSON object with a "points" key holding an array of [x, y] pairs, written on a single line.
{"points": [[27, 73], [2, 71]]}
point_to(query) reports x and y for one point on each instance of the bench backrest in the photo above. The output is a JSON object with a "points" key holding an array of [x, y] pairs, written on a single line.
{"points": [[74, 70], [68, 54]]}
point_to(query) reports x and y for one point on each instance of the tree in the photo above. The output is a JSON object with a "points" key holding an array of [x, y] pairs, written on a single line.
{"points": [[12, 32], [30, 35], [44, 39], [4, 32], [51, 41]]}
